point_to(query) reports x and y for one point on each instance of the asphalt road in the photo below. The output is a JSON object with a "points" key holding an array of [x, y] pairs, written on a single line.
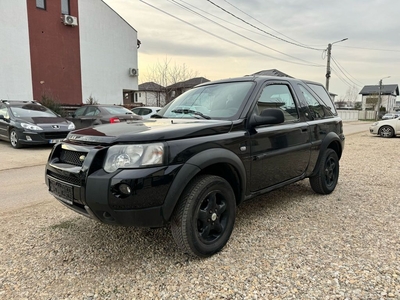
{"points": [[26, 166]]}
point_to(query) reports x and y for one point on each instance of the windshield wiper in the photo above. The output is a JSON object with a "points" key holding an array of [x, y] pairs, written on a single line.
{"points": [[191, 111]]}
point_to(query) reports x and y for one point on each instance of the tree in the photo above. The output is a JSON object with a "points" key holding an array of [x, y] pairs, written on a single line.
{"points": [[92, 100], [165, 73], [340, 103], [352, 94]]}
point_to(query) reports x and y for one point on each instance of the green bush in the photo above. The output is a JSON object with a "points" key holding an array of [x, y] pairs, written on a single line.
{"points": [[52, 104]]}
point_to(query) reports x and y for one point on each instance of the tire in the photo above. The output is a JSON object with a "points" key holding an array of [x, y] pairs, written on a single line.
{"points": [[14, 139], [324, 182], [386, 132], [204, 217]]}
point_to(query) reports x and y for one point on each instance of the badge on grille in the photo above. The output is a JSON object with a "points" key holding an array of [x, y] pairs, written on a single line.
{"points": [[55, 126]]}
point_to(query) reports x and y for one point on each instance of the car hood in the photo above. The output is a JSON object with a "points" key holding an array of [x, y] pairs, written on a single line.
{"points": [[150, 130], [388, 122], [44, 120]]}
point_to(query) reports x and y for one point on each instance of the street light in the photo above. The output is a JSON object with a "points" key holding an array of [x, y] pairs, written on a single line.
{"points": [[328, 62], [378, 107]]}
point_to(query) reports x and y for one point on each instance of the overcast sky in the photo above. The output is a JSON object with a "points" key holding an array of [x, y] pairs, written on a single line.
{"points": [[230, 38]]}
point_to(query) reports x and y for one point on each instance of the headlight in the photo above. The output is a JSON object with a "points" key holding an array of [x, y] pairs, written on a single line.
{"points": [[30, 126], [374, 124], [71, 126], [133, 156]]}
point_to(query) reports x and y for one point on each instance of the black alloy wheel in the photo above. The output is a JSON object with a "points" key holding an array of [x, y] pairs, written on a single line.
{"points": [[204, 217], [324, 182]]}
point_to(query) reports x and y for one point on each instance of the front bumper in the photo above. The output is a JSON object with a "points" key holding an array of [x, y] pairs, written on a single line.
{"points": [[374, 129], [90, 191], [27, 137]]}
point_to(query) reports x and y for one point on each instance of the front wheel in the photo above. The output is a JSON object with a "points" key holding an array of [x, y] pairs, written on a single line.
{"points": [[386, 132], [14, 139], [204, 217], [326, 178]]}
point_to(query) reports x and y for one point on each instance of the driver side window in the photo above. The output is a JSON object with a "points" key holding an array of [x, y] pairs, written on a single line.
{"points": [[278, 96]]}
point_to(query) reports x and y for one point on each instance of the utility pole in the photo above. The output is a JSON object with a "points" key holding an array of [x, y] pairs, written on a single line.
{"points": [[378, 108], [328, 62], [328, 66]]}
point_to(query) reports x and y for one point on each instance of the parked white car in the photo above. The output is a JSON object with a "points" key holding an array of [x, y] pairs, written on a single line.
{"points": [[389, 116], [386, 128], [146, 111]]}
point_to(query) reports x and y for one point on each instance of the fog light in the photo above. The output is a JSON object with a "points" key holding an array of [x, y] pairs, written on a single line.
{"points": [[28, 138], [125, 189]]}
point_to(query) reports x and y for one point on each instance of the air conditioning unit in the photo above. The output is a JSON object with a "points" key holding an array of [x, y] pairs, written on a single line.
{"points": [[133, 72], [70, 20]]}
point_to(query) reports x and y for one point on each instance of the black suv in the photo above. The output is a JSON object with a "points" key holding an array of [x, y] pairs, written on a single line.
{"points": [[204, 153]]}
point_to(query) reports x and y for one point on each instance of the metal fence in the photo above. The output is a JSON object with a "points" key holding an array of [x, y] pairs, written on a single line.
{"points": [[355, 115]]}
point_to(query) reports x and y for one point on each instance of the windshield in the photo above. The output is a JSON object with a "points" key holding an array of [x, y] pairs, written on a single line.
{"points": [[217, 101], [31, 110]]}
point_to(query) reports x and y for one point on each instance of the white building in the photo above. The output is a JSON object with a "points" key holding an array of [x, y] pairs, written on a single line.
{"points": [[69, 50], [150, 94]]}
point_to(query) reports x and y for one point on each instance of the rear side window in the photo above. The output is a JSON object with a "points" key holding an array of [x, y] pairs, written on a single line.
{"points": [[323, 95], [318, 108]]}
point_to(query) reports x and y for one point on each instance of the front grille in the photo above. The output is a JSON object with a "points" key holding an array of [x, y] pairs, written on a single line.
{"points": [[55, 135], [67, 179], [72, 157]]}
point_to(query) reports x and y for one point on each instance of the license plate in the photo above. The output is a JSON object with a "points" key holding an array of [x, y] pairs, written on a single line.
{"points": [[63, 191], [55, 141]]}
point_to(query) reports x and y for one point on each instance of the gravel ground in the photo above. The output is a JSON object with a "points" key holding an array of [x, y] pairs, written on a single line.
{"points": [[288, 244]]}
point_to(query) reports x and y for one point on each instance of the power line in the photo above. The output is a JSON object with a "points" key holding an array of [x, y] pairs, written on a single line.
{"points": [[372, 49], [340, 69], [219, 37], [226, 21], [245, 37], [341, 78], [264, 24], [270, 34]]}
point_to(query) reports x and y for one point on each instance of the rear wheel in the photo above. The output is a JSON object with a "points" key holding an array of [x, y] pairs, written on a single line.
{"points": [[324, 182], [204, 217], [14, 141], [386, 132]]}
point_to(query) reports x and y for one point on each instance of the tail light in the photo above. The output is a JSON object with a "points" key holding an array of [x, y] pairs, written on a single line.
{"points": [[114, 120]]}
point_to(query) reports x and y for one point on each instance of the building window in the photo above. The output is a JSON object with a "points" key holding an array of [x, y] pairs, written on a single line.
{"points": [[41, 4], [65, 7]]}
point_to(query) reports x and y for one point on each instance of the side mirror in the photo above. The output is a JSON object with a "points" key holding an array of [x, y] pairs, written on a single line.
{"points": [[268, 116], [3, 118]]}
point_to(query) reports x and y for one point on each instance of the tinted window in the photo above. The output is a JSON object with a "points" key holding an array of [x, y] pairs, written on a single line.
{"points": [[316, 106], [323, 94], [278, 96]]}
